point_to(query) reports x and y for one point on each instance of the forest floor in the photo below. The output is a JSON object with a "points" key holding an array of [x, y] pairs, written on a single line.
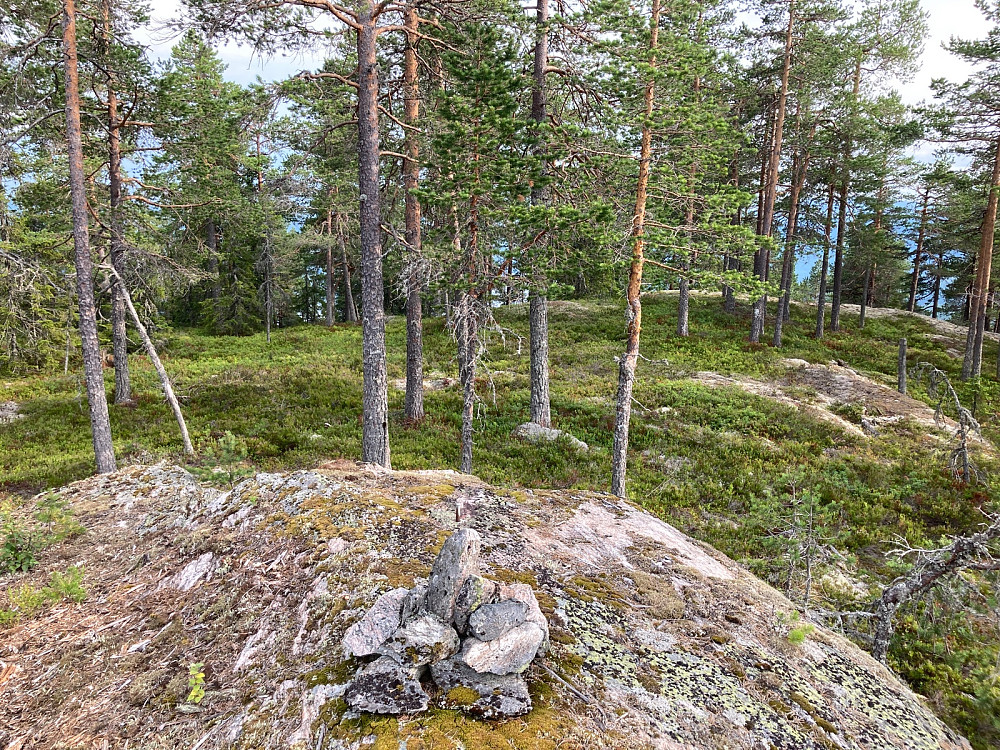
{"points": [[727, 443]]}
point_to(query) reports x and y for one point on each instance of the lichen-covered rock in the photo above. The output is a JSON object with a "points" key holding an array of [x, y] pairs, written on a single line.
{"points": [[421, 641], [458, 559], [414, 604], [365, 636], [475, 592], [493, 620], [487, 696], [523, 593], [535, 433], [387, 687], [705, 661], [508, 653]]}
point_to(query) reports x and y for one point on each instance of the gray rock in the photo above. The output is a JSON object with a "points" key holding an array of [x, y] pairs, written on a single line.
{"points": [[421, 641], [535, 433], [413, 603], [493, 620], [475, 592], [499, 696], [511, 653], [386, 687], [458, 559], [365, 636], [523, 593]]}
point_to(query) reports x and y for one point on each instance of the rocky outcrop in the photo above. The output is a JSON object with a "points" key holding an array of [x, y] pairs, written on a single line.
{"points": [[306, 598], [485, 626], [535, 433]]}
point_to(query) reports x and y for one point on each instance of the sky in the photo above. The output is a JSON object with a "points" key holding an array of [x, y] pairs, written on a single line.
{"points": [[948, 18]]}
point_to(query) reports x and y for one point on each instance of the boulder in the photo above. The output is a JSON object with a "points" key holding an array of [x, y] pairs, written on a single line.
{"points": [[421, 641], [487, 696], [510, 653], [490, 621], [535, 433], [475, 592], [523, 593], [458, 559], [365, 636], [386, 687]]}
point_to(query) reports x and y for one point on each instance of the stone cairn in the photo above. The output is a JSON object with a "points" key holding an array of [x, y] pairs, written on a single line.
{"points": [[474, 636]]}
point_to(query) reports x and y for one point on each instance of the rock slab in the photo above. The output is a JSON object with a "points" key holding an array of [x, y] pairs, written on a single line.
{"points": [[386, 687], [485, 695], [366, 636]]}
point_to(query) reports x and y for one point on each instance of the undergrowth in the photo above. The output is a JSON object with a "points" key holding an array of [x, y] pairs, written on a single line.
{"points": [[769, 485]]}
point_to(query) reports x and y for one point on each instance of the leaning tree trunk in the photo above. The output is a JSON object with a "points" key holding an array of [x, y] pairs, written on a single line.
{"points": [[538, 303], [626, 365], [413, 403], [821, 297], [97, 400], [168, 391], [972, 363], [374, 389], [911, 305], [119, 335], [773, 172]]}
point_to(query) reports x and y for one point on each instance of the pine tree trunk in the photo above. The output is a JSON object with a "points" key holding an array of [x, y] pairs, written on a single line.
{"points": [[212, 244], [800, 166], [413, 403], [97, 400], [773, 172], [864, 296], [911, 305], [821, 297], [350, 309], [627, 363], [538, 303], [972, 363], [374, 394], [119, 334], [331, 294], [845, 186], [937, 287]]}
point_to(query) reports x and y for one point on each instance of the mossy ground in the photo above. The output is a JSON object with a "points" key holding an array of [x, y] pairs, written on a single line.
{"points": [[750, 468]]}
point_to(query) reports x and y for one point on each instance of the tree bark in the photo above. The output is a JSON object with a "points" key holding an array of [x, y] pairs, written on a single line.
{"points": [[800, 167], [413, 403], [937, 286], [119, 335], [864, 296], [771, 187], [538, 303], [331, 294], [627, 363], [845, 186], [350, 309], [972, 363], [911, 305], [374, 395], [901, 368], [821, 297], [100, 423], [212, 243]]}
